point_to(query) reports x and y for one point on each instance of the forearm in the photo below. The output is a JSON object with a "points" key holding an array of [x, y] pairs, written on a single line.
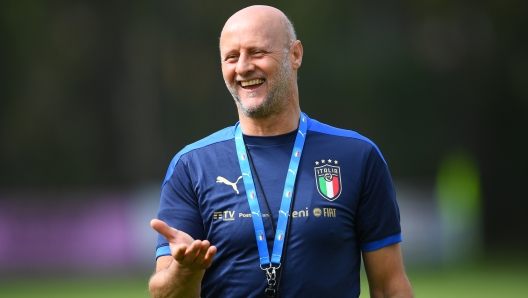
{"points": [[385, 273], [398, 287], [176, 281], [401, 293]]}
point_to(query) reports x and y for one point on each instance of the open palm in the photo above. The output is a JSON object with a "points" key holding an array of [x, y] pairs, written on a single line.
{"points": [[190, 253]]}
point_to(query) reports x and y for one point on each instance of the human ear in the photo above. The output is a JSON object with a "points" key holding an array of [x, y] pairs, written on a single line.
{"points": [[297, 52]]}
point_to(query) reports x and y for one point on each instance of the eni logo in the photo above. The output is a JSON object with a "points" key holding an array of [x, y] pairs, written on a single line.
{"points": [[223, 180]]}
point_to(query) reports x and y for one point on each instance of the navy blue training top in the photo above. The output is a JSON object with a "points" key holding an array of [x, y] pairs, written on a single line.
{"points": [[344, 203]]}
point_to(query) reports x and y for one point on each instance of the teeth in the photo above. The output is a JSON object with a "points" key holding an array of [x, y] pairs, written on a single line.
{"points": [[252, 82]]}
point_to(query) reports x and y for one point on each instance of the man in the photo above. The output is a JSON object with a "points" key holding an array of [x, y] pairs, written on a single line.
{"points": [[289, 203]]}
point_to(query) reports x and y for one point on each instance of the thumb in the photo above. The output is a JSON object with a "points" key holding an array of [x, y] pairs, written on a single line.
{"points": [[163, 228]]}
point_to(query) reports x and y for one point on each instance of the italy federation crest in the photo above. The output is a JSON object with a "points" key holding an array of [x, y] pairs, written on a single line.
{"points": [[328, 181]]}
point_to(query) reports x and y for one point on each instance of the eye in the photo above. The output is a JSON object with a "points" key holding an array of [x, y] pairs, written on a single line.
{"points": [[231, 58]]}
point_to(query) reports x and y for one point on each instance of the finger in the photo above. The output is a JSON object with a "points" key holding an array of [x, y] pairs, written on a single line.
{"points": [[192, 252], [209, 256], [179, 252], [203, 251], [163, 228]]}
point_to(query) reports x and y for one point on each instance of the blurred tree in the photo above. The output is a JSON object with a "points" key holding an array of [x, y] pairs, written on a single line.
{"points": [[103, 94]]}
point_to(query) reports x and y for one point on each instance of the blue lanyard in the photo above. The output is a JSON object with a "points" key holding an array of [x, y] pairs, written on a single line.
{"points": [[287, 194]]}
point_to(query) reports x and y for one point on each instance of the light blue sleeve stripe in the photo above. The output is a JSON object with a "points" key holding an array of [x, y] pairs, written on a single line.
{"points": [[163, 251], [371, 246], [327, 129], [219, 136]]}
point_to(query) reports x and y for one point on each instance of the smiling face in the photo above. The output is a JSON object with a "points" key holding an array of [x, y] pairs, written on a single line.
{"points": [[256, 62]]}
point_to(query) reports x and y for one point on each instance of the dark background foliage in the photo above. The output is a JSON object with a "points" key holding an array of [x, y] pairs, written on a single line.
{"points": [[102, 94]]}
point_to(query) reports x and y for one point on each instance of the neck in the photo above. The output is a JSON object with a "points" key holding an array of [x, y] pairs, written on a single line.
{"points": [[276, 124]]}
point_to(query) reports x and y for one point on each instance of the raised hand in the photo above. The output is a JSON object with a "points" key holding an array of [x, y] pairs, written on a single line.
{"points": [[189, 253]]}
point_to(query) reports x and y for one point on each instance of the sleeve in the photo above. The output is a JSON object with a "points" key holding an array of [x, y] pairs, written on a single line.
{"points": [[179, 206], [378, 216]]}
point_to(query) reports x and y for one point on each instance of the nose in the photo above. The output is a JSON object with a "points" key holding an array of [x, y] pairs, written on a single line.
{"points": [[244, 65]]}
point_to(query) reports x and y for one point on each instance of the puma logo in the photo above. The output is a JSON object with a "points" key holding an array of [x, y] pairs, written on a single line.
{"points": [[286, 215], [223, 180], [302, 134]]}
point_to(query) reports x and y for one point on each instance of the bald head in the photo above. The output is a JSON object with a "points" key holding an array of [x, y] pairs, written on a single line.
{"points": [[260, 57], [264, 19]]}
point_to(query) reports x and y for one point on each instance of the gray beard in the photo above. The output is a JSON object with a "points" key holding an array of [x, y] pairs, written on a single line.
{"points": [[276, 99]]}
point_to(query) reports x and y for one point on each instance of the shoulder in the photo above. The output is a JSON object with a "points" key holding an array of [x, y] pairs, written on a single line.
{"points": [[340, 134], [225, 134], [218, 137]]}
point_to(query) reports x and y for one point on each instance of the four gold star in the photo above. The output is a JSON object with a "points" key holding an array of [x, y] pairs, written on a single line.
{"points": [[324, 161]]}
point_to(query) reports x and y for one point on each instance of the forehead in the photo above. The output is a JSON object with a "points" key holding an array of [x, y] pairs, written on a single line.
{"points": [[247, 32]]}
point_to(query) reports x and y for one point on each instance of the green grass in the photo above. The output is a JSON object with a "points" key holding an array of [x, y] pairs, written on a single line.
{"points": [[470, 283], [75, 288], [482, 281]]}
